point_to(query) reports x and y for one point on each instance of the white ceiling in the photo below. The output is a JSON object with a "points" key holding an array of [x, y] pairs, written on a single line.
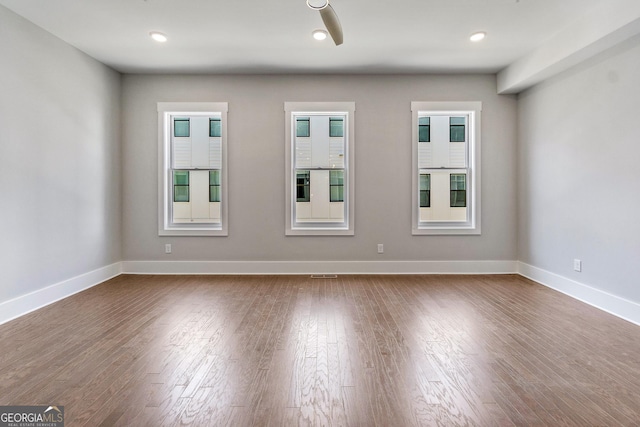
{"points": [[274, 36]]}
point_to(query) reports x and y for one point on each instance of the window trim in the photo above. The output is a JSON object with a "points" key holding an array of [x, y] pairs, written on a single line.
{"points": [[320, 108], [165, 195], [472, 226]]}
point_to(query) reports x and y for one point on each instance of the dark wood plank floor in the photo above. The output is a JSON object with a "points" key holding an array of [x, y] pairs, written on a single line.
{"points": [[355, 350]]}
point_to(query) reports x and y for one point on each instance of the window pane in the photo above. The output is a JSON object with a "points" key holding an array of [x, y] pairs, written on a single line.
{"points": [[458, 181], [180, 193], [181, 127], [457, 129], [424, 133], [336, 127], [456, 134], [458, 199], [180, 177], [302, 127], [214, 177], [425, 182], [458, 193], [425, 190], [303, 189], [302, 177], [425, 199], [215, 128], [214, 193], [214, 186], [424, 129], [337, 193], [336, 177], [302, 193], [336, 184]]}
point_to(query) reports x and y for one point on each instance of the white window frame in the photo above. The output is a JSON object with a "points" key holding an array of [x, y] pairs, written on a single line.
{"points": [[471, 226], [346, 228], [166, 226]]}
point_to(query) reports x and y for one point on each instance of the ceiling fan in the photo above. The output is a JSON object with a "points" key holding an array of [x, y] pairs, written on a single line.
{"points": [[329, 17]]}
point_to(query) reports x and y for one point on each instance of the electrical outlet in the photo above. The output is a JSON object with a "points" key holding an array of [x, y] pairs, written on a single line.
{"points": [[380, 248], [577, 265], [167, 248]]}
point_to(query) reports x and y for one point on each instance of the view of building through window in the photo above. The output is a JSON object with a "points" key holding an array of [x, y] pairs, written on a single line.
{"points": [[445, 184], [192, 186], [320, 163]]}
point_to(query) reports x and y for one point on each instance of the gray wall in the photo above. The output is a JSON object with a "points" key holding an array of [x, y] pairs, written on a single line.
{"points": [[60, 151], [579, 180], [257, 172]]}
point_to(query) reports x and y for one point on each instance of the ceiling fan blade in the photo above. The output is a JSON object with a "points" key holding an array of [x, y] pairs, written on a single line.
{"points": [[332, 23]]}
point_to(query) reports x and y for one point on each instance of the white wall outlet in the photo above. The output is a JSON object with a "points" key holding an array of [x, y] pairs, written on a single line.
{"points": [[167, 248], [577, 265], [380, 248]]}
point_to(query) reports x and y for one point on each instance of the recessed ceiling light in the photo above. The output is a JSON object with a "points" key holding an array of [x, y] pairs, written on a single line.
{"points": [[159, 37], [319, 34], [476, 37], [317, 4]]}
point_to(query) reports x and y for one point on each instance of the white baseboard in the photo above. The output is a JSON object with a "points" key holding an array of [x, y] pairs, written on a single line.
{"points": [[319, 267], [24, 304], [612, 304], [615, 305]]}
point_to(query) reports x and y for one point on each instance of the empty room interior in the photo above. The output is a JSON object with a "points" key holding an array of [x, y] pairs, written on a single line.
{"points": [[318, 212]]}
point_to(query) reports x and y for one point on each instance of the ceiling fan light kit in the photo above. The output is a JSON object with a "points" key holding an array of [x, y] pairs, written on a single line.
{"points": [[319, 34]]}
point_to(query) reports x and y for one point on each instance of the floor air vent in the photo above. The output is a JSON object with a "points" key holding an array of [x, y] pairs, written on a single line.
{"points": [[324, 276]]}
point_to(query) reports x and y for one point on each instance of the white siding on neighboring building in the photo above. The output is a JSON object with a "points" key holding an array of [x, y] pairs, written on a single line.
{"points": [[199, 142], [440, 152], [318, 153], [198, 150], [320, 208], [198, 209], [440, 209]]}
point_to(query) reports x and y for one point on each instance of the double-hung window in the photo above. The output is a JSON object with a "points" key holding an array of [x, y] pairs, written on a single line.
{"points": [[192, 189], [319, 161], [446, 167]]}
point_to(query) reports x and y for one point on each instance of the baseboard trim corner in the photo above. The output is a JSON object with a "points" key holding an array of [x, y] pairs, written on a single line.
{"points": [[612, 304], [35, 300]]}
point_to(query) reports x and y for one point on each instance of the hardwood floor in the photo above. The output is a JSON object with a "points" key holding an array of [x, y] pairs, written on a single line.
{"points": [[354, 350]]}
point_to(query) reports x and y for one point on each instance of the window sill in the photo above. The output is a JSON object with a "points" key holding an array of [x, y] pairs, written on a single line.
{"points": [[319, 232], [445, 230], [193, 231]]}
